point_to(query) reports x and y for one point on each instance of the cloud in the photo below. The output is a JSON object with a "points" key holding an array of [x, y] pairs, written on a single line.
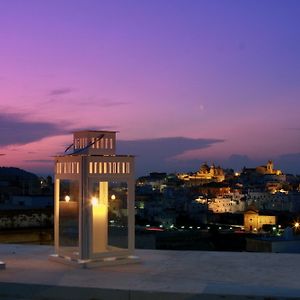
{"points": [[158, 154], [40, 161], [113, 103], [238, 161], [161, 154], [60, 91], [15, 130], [2, 154], [103, 102], [290, 162], [88, 101]]}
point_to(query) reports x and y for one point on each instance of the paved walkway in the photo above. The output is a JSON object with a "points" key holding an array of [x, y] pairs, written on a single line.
{"points": [[225, 274]]}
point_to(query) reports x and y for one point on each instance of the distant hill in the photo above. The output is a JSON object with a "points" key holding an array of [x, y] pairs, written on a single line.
{"points": [[10, 173]]}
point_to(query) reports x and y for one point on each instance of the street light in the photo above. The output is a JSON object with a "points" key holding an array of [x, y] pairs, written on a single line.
{"points": [[2, 265]]}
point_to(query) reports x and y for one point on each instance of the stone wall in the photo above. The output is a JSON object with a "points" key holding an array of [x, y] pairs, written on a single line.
{"points": [[13, 219]]}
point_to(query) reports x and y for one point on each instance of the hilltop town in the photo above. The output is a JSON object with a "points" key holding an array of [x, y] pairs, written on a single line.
{"points": [[255, 201]]}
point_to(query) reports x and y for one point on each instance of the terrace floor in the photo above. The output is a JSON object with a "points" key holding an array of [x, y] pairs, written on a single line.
{"points": [[160, 275]]}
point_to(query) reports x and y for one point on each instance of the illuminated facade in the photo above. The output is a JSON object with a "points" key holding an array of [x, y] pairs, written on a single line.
{"points": [[268, 169], [253, 221], [205, 173], [230, 203], [94, 202]]}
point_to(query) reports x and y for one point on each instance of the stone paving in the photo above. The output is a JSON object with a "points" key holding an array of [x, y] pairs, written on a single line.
{"points": [[239, 274]]}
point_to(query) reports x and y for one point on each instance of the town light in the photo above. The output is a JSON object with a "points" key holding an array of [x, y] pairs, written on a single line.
{"points": [[67, 198], [296, 225]]}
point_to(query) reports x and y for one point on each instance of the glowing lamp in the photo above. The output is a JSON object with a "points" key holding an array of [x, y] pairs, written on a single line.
{"points": [[91, 174], [94, 201]]}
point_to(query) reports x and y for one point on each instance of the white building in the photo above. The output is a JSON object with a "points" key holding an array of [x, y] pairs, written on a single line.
{"points": [[230, 203]]}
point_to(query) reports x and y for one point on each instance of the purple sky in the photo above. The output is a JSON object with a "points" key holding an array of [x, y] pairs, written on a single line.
{"points": [[224, 75]]}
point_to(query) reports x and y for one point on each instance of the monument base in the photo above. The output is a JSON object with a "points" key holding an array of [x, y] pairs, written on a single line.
{"points": [[93, 263]]}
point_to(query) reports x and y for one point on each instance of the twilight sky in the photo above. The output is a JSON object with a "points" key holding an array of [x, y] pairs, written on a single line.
{"points": [[183, 81]]}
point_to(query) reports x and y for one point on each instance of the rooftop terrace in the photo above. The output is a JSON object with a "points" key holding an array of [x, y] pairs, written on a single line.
{"points": [[168, 275]]}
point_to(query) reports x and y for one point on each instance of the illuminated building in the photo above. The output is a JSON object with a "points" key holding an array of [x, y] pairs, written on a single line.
{"points": [[94, 202], [268, 169], [228, 204], [205, 174], [253, 221]]}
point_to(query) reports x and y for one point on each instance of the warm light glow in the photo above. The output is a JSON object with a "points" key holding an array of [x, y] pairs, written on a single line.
{"points": [[283, 191], [94, 201], [113, 197], [296, 225], [67, 198]]}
